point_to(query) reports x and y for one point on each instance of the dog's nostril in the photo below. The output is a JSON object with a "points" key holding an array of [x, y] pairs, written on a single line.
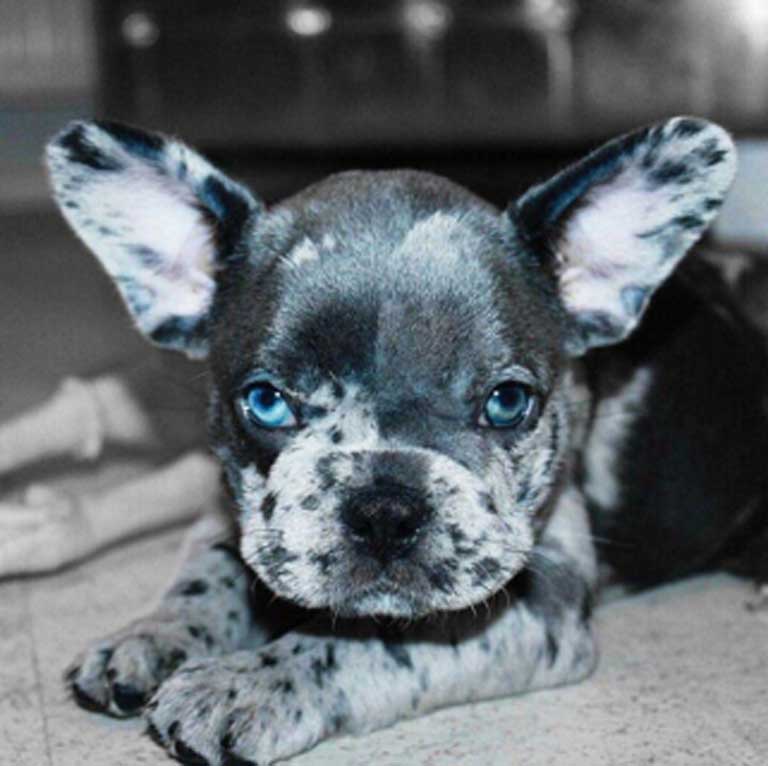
{"points": [[386, 523]]}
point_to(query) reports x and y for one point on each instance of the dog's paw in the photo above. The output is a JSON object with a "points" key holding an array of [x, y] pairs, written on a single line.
{"points": [[118, 674], [245, 708]]}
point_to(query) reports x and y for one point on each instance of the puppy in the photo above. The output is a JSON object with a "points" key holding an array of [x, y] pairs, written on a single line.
{"points": [[418, 402]]}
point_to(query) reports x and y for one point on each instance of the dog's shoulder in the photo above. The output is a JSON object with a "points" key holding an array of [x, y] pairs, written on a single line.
{"points": [[673, 463]]}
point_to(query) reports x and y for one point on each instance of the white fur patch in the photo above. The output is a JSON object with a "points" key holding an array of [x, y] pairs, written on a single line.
{"points": [[304, 252], [614, 417]]}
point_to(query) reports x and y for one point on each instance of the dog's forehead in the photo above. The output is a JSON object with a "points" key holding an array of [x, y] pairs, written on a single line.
{"points": [[397, 276]]}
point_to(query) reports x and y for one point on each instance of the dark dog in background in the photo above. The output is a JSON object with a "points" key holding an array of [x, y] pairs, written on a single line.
{"points": [[423, 404]]}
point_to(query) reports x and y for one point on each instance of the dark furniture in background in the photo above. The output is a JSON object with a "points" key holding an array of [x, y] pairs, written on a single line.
{"points": [[493, 92]]}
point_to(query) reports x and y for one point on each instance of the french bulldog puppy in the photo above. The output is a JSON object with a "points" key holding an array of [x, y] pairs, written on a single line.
{"points": [[427, 410]]}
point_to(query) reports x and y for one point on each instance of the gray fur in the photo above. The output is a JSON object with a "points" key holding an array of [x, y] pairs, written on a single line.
{"points": [[385, 308]]}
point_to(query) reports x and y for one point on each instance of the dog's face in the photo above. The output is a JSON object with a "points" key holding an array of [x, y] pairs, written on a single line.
{"points": [[390, 354]]}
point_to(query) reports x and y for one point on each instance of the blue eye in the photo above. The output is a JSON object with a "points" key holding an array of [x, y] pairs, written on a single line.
{"points": [[264, 405], [509, 405]]}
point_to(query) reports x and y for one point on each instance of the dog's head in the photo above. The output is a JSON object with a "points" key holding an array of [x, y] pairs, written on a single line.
{"points": [[389, 353]]}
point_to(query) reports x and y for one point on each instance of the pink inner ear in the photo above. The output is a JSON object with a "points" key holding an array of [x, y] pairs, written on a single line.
{"points": [[191, 270], [628, 233]]}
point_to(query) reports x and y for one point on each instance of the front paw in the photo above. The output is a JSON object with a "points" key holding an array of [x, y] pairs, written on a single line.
{"points": [[118, 674], [245, 708]]}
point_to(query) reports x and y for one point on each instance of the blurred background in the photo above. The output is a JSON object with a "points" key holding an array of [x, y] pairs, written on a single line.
{"points": [[496, 94], [493, 92]]}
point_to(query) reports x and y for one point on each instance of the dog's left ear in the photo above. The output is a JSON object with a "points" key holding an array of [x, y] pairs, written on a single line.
{"points": [[158, 216], [612, 227]]}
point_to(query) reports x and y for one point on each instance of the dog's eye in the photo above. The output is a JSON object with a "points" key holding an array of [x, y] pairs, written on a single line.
{"points": [[263, 405], [510, 405]]}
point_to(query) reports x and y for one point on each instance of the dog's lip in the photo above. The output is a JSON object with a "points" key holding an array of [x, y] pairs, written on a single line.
{"points": [[380, 599]]}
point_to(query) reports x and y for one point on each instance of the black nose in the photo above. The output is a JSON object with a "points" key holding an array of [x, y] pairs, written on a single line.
{"points": [[386, 521]]}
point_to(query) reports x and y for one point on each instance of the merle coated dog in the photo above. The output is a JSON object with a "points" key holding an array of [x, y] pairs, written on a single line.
{"points": [[422, 404]]}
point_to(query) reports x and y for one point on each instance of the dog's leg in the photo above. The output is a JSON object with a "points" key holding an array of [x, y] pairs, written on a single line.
{"points": [[267, 705], [205, 612], [51, 528]]}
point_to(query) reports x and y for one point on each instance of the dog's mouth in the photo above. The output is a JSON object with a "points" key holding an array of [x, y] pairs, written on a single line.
{"points": [[407, 590], [380, 599]]}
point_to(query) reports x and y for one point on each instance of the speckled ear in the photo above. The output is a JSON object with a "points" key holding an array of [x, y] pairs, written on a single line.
{"points": [[157, 215], [613, 226]]}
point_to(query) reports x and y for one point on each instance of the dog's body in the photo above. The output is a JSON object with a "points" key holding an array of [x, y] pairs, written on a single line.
{"points": [[410, 425]]}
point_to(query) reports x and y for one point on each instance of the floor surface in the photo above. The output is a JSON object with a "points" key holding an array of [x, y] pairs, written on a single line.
{"points": [[683, 681]]}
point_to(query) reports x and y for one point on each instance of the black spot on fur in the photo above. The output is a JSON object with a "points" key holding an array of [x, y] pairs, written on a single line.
{"points": [[187, 755], [325, 473], [551, 647], [198, 631], [712, 153], [227, 582], [268, 506], [335, 435], [441, 575], [82, 151], [399, 654], [181, 332], [145, 255], [193, 588], [175, 658], [324, 560], [268, 661], [233, 616], [140, 143], [687, 127], [484, 570], [285, 686], [322, 668], [230, 759], [337, 722], [688, 222], [310, 503], [487, 503], [229, 206], [524, 490], [677, 171], [712, 203], [457, 534]]}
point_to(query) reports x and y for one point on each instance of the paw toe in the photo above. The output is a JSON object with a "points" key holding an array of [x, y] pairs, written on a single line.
{"points": [[85, 700], [230, 759], [128, 698], [188, 755]]}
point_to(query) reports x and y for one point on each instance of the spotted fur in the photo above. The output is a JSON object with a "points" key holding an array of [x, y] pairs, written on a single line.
{"points": [[386, 307]]}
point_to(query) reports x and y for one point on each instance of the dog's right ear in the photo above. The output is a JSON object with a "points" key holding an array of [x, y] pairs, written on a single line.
{"points": [[158, 216]]}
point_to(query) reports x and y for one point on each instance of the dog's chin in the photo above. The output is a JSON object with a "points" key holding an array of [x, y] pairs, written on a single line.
{"points": [[381, 602]]}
